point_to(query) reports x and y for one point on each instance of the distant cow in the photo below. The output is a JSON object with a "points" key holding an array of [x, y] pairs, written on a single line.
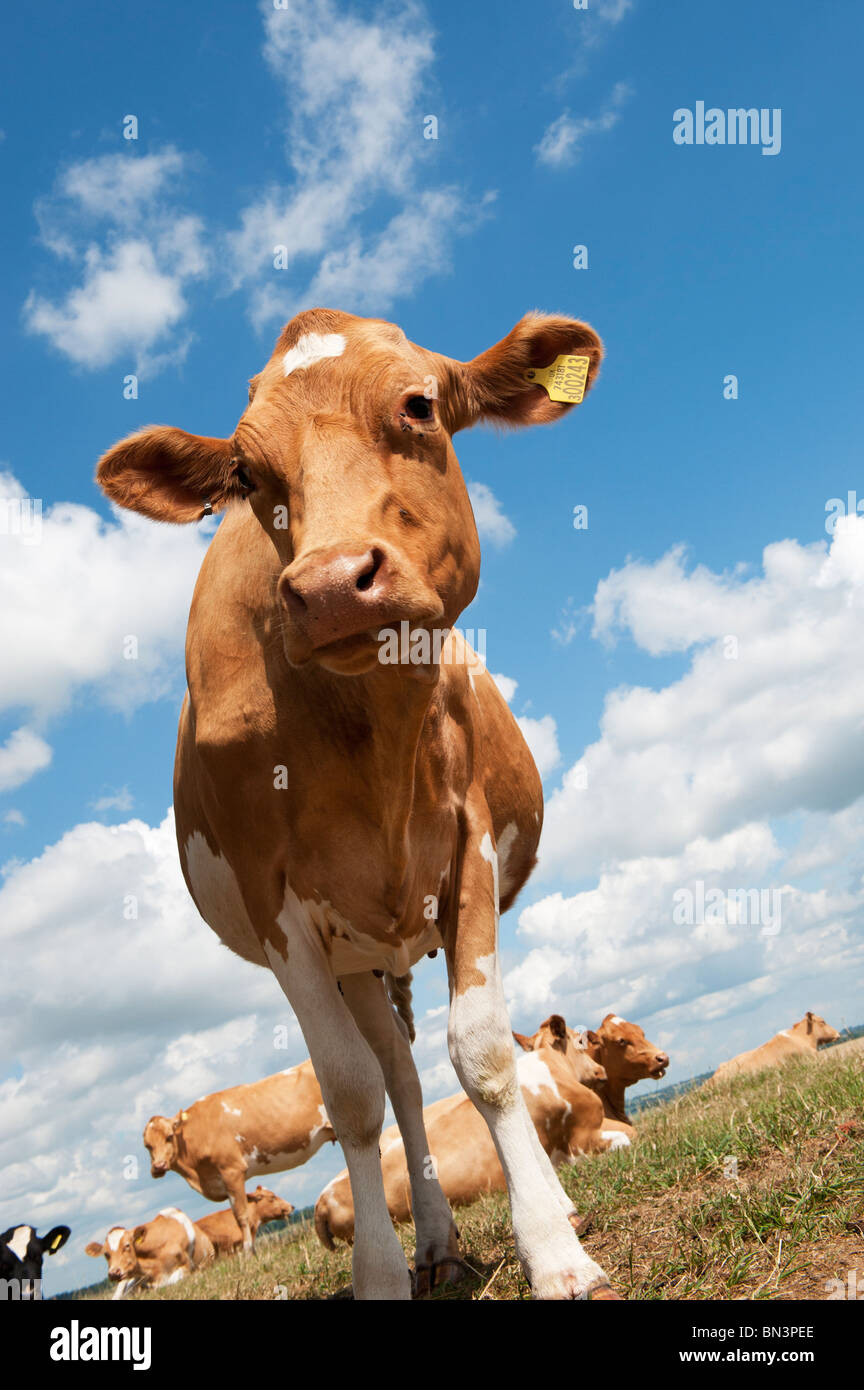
{"points": [[222, 1227], [627, 1056], [806, 1036], [21, 1255], [554, 1071], [158, 1252], [266, 1127]]}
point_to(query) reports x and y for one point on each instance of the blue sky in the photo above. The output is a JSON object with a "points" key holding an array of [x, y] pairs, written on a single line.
{"points": [[154, 257]]}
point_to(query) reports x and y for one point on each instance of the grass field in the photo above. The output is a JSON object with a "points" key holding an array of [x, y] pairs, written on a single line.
{"points": [[751, 1190]]}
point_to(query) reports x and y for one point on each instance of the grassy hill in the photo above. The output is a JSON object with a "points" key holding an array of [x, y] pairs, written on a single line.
{"points": [[752, 1190]]}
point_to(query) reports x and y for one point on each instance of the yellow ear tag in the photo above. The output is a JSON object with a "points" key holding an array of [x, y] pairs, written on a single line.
{"points": [[56, 1243], [564, 380]]}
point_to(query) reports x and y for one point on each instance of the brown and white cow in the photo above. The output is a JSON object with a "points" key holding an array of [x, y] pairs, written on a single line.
{"points": [[804, 1037], [264, 1127], [156, 1253], [555, 1074], [627, 1056], [222, 1227], [339, 809]]}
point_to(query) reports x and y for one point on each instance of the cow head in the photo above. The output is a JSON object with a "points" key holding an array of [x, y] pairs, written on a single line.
{"points": [[269, 1206], [160, 1139], [625, 1052], [345, 457], [22, 1252], [121, 1252], [817, 1032], [573, 1046]]}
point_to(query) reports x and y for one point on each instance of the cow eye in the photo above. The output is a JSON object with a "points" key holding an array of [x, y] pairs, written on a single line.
{"points": [[244, 478], [419, 408]]}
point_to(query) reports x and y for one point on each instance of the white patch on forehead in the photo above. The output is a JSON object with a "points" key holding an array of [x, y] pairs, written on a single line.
{"points": [[313, 347], [114, 1237], [615, 1019], [20, 1240]]}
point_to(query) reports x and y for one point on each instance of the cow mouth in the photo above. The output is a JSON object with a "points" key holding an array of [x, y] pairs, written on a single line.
{"points": [[658, 1073]]}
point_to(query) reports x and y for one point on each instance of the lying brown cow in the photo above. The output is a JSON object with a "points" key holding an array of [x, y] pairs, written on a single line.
{"points": [[268, 1126], [221, 1226], [344, 808], [555, 1073], [806, 1036], [626, 1056], [156, 1253]]}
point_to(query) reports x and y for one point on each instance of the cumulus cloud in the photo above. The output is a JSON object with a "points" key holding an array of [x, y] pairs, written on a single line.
{"points": [[492, 524], [563, 140], [93, 604], [23, 754], [763, 723], [115, 217]]}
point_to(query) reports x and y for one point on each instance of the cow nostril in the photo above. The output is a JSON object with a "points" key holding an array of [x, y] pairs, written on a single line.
{"points": [[367, 578]]}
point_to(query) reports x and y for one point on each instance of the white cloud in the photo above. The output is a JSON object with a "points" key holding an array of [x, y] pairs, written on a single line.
{"points": [[563, 140], [541, 735], [738, 738], [492, 524], [354, 139], [114, 216], [506, 685], [70, 604], [22, 755], [121, 800]]}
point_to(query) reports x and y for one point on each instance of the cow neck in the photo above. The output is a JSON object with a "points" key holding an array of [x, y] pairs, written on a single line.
{"points": [[614, 1098], [376, 724]]}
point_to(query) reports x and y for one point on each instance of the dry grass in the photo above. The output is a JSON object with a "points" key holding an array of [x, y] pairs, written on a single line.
{"points": [[670, 1218]]}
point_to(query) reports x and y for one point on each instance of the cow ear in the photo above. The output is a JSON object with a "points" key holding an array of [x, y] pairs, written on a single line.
{"points": [[138, 1234], [94, 1247], [169, 475], [509, 383], [809, 1022], [593, 1038], [527, 1044], [56, 1237]]}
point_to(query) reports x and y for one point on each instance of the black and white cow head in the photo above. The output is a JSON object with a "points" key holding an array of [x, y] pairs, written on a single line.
{"points": [[21, 1255]]}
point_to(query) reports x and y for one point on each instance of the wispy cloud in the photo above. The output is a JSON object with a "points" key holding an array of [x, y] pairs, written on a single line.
{"points": [[358, 223], [22, 755], [562, 142]]}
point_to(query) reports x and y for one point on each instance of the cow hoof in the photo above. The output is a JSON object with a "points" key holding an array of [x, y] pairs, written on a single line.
{"points": [[605, 1292], [429, 1277]]}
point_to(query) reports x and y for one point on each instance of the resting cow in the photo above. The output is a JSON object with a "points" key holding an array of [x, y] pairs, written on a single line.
{"points": [[555, 1073], [225, 1234], [351, 789], [156, 1253], [265, 1127], [626, 1056], [21, 1255], [803, 1038]]}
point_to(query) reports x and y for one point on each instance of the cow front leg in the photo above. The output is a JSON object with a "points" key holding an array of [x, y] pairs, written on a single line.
{"points": [[352, 1087], [234, 1180], [481, 1047], [437, 1255]]}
